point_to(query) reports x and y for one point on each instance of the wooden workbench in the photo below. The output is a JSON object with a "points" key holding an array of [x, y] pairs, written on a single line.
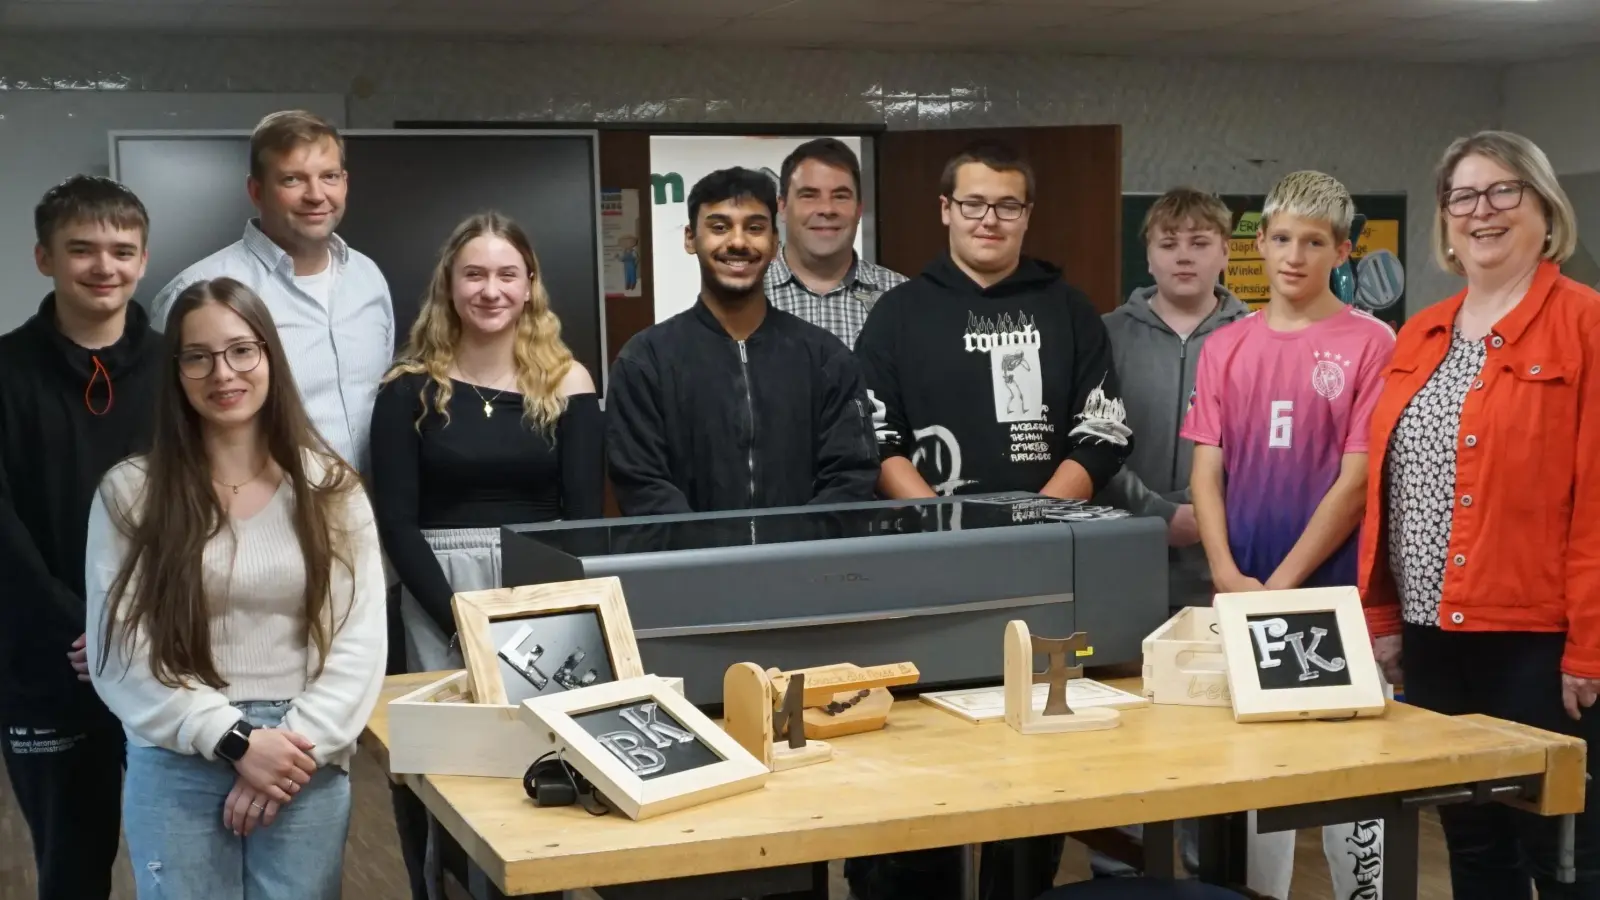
{"points": [[932, 780]]}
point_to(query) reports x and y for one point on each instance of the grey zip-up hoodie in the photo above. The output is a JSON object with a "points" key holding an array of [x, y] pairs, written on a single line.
{"points": [[1156, 369]]}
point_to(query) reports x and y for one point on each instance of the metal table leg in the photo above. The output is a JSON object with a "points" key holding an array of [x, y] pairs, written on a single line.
{"points": [[1160, 841], [969, 870], [1401, 866]]}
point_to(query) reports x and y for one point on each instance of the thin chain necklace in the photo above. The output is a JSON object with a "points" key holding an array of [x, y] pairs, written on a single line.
{"points": [[488, 404], [250, 480]]}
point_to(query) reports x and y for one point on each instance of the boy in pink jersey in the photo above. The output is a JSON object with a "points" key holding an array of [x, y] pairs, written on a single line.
{"points": [[1279, 422]]}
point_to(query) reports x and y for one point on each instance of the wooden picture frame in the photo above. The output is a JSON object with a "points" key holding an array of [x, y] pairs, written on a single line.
{"points": [[1299, 654], [590, 638], [656, 769]]}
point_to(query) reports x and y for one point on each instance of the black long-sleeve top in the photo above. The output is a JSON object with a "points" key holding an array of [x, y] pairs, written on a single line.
{"points": [[476, 472], [697, 421]]}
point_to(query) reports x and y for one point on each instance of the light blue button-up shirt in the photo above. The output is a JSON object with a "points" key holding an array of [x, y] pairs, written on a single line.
{"points": [[338, 352]]}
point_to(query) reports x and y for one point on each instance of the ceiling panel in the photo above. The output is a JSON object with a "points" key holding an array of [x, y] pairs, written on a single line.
{"points": [[1485, 31]]}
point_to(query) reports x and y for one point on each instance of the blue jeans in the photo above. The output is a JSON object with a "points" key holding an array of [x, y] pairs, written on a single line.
{"points": [[172, 815]]}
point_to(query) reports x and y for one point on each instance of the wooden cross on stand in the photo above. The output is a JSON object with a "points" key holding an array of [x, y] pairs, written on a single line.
{"points": [[1057, 673]]}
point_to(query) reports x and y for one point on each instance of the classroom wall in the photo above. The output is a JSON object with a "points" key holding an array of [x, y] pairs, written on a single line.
{"points": [[1553, 103], [1231, 126]]}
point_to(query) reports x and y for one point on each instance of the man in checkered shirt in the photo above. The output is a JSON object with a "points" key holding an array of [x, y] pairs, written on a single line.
{"points": [[817, 275]]}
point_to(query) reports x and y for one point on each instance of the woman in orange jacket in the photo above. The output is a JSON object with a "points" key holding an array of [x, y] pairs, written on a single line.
{"points": [[1480, 553]]}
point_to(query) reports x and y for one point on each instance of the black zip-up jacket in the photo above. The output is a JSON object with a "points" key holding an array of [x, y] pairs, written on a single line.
{"points": [[990, 389], [67, 415], [697, 421]]}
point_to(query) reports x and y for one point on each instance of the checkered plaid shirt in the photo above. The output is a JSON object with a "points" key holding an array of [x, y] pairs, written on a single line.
{"points": [[842, 310]]}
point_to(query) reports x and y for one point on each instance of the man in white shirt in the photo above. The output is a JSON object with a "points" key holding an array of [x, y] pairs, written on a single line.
{"points": [[330, 303]]}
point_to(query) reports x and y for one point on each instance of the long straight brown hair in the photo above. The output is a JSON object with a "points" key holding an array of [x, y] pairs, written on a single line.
{"points": [[178, 512]]}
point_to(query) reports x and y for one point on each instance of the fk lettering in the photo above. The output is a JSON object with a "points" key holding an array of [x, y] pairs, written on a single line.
{"points": [[1306, 657]]}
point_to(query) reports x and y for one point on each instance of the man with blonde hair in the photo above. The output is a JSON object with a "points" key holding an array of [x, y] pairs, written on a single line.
{"points": [[330, 302], [1279, 423]]}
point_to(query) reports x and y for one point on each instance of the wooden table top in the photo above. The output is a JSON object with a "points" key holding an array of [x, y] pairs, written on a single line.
{"points": [[930, 779]]}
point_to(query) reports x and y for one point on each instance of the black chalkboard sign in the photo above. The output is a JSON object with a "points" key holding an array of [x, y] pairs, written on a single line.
{"points": [[647, 739], [1298, 650], [547, 653]]}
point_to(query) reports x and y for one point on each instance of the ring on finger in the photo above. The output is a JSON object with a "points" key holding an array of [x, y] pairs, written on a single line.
{"points": [[258, 806]]}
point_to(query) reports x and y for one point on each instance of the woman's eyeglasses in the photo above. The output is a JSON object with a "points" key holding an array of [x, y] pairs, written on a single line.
{"points": [[241, 357], [1503, 195]]}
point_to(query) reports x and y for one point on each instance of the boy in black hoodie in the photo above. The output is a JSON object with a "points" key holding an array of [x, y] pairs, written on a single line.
{"points": [[988, 372], [77, 388]]}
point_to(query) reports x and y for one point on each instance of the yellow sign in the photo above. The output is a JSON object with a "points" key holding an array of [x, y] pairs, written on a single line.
{"points": [[1246, 274]]}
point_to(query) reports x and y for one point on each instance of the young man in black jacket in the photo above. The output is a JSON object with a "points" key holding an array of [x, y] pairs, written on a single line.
{"points": [[733, 403], [988, 372], [77, 388]]}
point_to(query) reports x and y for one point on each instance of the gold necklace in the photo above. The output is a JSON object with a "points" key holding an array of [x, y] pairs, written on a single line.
{"points": [[250, 480], [488, 405]]}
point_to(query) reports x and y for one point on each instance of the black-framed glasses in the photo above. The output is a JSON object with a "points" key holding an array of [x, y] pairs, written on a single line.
{"points": [[1503, 195], [241, 357], [1005, 210]]}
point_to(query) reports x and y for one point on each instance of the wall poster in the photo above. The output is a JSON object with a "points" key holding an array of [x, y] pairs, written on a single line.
{"points": [[619, 236]]}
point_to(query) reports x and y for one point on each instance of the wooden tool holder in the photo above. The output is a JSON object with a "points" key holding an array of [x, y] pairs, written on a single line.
{"points": [[827, 688]]}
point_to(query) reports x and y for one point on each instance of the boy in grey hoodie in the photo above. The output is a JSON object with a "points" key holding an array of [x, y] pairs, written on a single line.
{"points": [[1155, 344]]}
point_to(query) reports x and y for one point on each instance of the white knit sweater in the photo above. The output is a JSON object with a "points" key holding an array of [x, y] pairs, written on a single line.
{"points": [[254, 575]]}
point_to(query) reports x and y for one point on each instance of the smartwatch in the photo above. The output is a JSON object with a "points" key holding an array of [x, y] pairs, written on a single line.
{"points": [[235, 742]]}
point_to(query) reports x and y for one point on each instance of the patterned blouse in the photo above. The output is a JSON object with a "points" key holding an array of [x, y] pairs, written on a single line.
{"points": [[1421, 476]]}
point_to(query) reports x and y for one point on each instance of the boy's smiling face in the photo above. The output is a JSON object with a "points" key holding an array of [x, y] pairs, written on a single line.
{"points": [[1300, 255]]}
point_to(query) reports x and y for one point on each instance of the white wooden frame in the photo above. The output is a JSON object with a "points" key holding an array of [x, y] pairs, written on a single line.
{"points": [[475, 610], [1362, 697], [639, 798]]}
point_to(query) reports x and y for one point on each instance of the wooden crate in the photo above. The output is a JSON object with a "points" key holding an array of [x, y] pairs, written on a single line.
{"points": [[1183, 661], [438, 730]]}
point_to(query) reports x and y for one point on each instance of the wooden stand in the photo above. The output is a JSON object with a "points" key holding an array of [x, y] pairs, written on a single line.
{"points": [[829, 687], [747, 717], [1020, 678]]}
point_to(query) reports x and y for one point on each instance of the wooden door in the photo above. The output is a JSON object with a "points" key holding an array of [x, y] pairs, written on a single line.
{"points": [[1077, 215]]}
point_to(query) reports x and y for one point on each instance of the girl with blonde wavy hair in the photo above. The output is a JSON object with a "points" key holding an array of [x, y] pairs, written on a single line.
{"points": [[486, 420]]}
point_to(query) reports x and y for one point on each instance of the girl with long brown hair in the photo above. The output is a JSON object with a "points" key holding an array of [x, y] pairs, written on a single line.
{"points": [[485, 421], [236, 601]]}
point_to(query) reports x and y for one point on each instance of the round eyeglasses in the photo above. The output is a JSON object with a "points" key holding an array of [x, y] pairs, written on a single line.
{"points": [[241, 357], [1503, 195]]}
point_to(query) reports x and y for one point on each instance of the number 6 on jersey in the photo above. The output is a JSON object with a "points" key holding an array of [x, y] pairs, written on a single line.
{"points": [[1282, 434]]}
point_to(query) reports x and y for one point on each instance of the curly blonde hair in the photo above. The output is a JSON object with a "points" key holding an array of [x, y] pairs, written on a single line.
{"points": [[542, 359]]}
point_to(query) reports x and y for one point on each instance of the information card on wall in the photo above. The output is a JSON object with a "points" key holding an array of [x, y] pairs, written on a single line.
{"points": [[619, 237]]}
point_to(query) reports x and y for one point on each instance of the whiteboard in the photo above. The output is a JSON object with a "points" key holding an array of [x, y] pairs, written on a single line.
{"points": [[49, 136]]}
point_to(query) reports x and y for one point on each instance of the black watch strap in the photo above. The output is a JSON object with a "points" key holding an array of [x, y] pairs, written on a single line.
{"points": [[235, 741]]}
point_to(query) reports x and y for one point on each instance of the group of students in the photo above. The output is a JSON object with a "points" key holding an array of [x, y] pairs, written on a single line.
{"points": [[199, 581]]}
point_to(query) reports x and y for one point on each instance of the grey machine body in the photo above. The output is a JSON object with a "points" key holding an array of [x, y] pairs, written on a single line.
{"points": [[931, 582]]}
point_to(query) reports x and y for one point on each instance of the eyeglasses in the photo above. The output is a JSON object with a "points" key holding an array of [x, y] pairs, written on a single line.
{"points": [[1503, 195], [1005, 210], [241, 357]]}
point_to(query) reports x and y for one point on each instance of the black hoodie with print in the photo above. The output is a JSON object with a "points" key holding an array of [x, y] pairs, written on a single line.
{"points": [[67, 415], [990, 389]]}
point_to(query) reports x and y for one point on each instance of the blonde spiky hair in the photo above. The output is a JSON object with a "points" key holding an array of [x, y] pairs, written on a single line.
{"points": [[1315, 196]]}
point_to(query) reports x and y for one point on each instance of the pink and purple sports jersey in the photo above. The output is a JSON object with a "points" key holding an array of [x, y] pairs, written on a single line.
{"points": [[1285, 406]]}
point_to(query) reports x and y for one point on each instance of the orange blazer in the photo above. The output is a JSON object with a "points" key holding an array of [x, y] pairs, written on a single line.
{"points": [[1524, 549]]}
